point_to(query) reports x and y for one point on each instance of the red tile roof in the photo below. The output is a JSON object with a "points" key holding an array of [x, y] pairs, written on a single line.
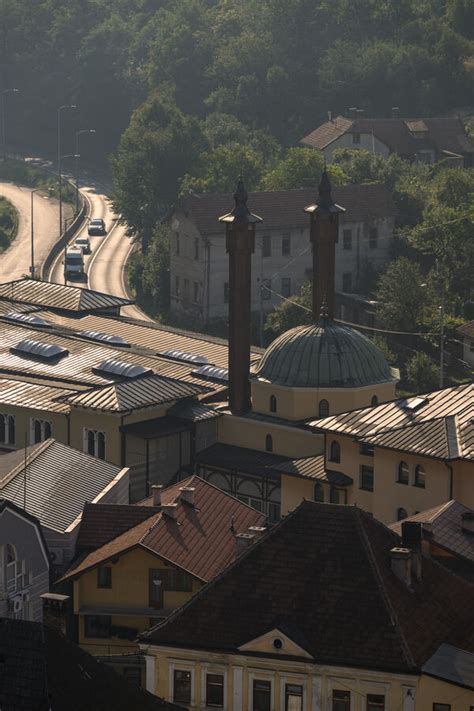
{"points": [[323, 574], [102, 523], [201, 540]]}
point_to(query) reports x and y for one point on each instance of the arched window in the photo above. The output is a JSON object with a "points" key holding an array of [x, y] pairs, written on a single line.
{"points": [[273, 403], [269, 443], [403, 473], [401, 514], [335, 451], [323, 408], [11, 554], [420, 476], [319, 492], [374, 401]]}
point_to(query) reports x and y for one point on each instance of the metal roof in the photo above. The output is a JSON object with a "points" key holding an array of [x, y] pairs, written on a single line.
{"points": [[313, 468], [59, 480], [443, 427], [30, 319], [210, 372], [37, 349], [134, 394], [119, 369], [193, 411], [32, 395], [176, 354], [451, 664], [241, 459], [59, 296], [102, 337]]}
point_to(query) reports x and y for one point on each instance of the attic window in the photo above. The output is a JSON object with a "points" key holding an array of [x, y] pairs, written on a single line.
{"points": [[25, 318], [415, 404], [210, 372], [103, 338], [36, 349], [185, 357], [120, 369]]}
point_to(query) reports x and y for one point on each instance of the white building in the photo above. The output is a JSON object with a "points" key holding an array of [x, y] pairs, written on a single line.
{"points": [[466, 331], [282, 260]]}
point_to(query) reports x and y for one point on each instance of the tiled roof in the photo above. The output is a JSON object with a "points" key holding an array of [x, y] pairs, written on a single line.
{"points": [[445, 528], [444, 134], [200, 541], [41, 670], [59, 296], [134, 394], [284, 208], [324, 571], [437, 424], [37, 396], [452, 665], [467, 329], [60, 479], [101, 523]]}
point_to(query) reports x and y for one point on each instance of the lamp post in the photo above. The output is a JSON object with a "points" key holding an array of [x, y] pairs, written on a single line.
{"points": [[60, 110], [79, 133], [2, 95], [61, 158], [32, 267]]}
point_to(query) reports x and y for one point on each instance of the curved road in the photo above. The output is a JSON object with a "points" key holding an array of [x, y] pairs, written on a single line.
{"points": [[15, 261]]}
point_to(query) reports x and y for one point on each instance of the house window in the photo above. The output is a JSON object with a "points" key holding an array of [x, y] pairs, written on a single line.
{"points": [[356, 138], [7, 429], [98, 626], [337, 496], [366, 478], [375, 702], [286, 286], [266, 289], [286, 245], [347, 239], [262, 695], [226, 292], [293, 697], [420, 476], [403, 473], [366, 450], [177, 249], [196, 248], [341, 700], [177, 285], [269, 443], [374, 401], [176, 580], [273, 403], [186, 288], [373, 238], [442, 707], [347, 282], [94, 443], [11, 554], [155, 587], [401, 514], [335, 452], [319, 492], [195, 292], [323, 408], [266, 246], [104, 576], [39, 430], [182, 686], [215, 690]]}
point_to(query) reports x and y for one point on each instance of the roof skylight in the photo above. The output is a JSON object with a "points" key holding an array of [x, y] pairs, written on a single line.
{"points": [[210, 372], [185, 357], [103, 338], [25, 318], [45, 351], [415, 403], [121, 369]]}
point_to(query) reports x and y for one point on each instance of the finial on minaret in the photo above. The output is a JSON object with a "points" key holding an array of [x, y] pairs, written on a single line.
{"points": [[240, 214]]}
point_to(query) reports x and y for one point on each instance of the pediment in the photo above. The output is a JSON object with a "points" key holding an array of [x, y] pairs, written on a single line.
{"points": [[275, 641]]}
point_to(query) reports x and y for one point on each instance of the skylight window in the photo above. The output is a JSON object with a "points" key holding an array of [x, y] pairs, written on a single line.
{"points": [[103, 338], [25, 318], [120, 369], [415, 404], [185, 357], [210, 372], [36, 349]]}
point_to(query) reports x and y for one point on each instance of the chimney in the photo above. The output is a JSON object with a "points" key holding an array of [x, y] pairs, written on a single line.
{"points": [[330, 116], [257, 531], [240, 245], [360, 113], [467, 522], [353, 112], [243, 541], [411, 538], [324, 228], [156, 490], [169, 510], [187, 494], [55, 611], [400, 562], [395, 112]]}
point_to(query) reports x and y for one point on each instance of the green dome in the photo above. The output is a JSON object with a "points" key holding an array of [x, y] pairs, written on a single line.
{"points": [[324, 355]]}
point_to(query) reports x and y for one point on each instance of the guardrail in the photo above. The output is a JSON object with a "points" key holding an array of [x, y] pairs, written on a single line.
{"points": [[64, 239]]}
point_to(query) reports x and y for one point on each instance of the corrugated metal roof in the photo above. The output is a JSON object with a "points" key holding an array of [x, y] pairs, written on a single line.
{"points": [[35, 396], [201, 540], [193, 411], [59, 296], [59, 479], [441, 426], [134, 394]]}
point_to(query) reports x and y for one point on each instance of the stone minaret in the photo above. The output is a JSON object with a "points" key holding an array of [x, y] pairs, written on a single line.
{"points": [[240, 245], [324, 234]]}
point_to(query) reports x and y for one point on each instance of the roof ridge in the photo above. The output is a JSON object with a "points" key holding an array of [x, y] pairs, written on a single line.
{"points": [[441, 509], [378, 577], [35, 451]]}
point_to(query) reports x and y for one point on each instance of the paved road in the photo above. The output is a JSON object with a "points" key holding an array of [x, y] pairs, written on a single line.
{"points": [[15, 262]]}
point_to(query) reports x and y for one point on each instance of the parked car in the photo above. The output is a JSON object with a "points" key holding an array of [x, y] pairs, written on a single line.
{"points": [[84, 244], [73, 263], [97, 226]]}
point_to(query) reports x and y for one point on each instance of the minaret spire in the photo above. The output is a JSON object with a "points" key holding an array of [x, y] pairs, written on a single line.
{"points": [[323, 235]]}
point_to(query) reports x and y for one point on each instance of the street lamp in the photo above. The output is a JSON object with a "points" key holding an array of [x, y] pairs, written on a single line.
{"points": [[60, 110], [2, 95], [68, 219], [79, 133], [61, 158]]}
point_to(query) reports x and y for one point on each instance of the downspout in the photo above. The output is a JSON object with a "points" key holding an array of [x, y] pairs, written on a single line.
{"points": [[68, 420], [451, 480], [123, 446], [208, 278]]}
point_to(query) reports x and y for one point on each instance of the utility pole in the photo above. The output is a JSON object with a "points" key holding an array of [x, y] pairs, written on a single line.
{"points": [[441, 343], [79, 133], [60, 110]]}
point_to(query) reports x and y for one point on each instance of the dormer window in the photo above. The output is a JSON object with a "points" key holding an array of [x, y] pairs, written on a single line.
{"points": [[335, 452], [273, 403], [323, 408], [269, 443]]}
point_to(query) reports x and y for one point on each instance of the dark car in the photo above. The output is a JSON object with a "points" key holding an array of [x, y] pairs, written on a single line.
{"points": [[97, 227]]}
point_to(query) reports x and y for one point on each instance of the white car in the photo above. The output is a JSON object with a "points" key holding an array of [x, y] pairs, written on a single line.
{"points": [[73, 263], [84, 244]]}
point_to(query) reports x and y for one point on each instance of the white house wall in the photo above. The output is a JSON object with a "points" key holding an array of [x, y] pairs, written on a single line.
{"points": [[368, 142]]}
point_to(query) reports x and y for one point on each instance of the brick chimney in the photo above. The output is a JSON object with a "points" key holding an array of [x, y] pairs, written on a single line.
{"points": [[187, 494], [55, 611], [243, 541], [400, 563], [170, 510], [156, 490], [324, 235], [240, 245]]}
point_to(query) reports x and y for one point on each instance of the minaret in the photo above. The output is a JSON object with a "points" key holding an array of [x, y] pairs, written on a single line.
{"points": [[323, 235], [240, 245]]}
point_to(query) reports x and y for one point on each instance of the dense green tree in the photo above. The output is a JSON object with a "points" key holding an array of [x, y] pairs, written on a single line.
{"points": [[221, 167], [401, 296], [291, 313], [422, 373], [300, 167], [149, 274]]}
